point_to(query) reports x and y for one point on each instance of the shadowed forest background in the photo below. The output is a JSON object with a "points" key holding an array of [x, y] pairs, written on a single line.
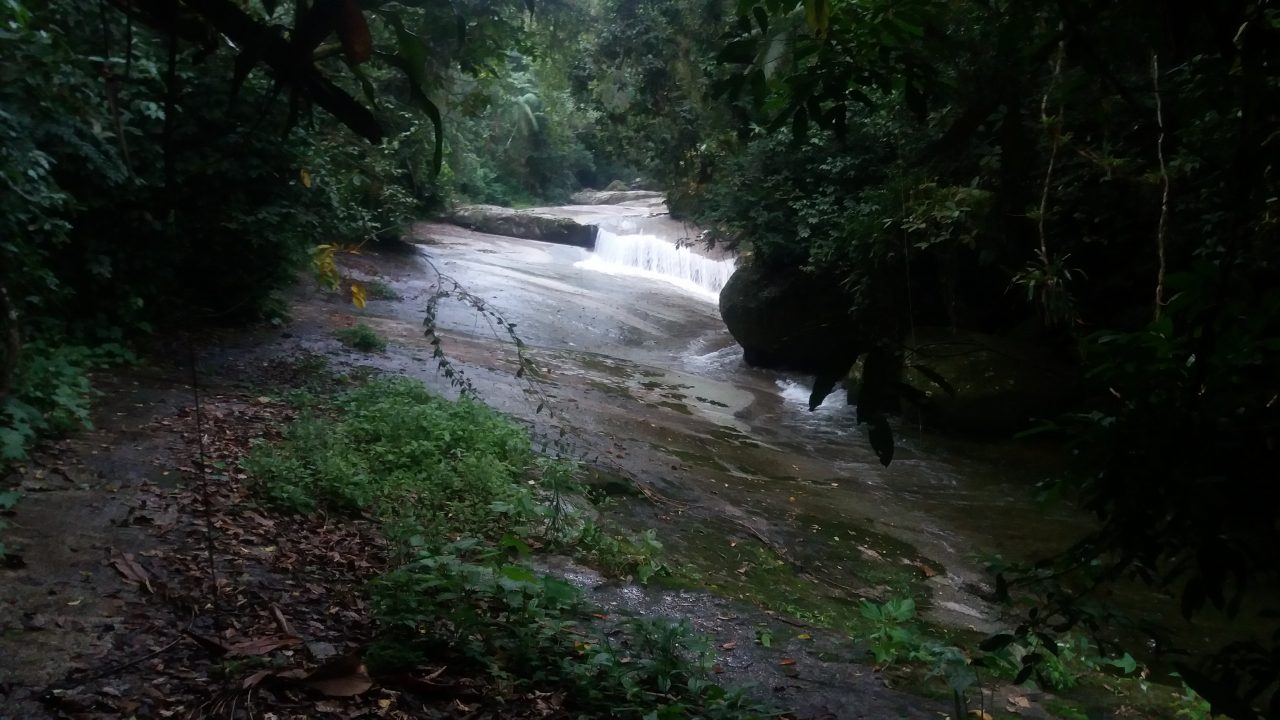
{"points": [[1093, 178]]}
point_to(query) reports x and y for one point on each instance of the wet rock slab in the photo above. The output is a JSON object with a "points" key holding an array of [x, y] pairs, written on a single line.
{"points": [[527, 224]]}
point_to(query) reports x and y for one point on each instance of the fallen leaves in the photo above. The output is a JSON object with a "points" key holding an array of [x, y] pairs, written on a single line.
{"points": [[128, 567], [346, 676], [261, 646], [1017, 704]]}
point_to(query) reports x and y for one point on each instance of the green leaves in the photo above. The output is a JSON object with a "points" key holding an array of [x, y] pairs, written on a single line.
{"points": [[412, 59]]}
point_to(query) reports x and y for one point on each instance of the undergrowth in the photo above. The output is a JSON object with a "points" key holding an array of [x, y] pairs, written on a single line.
{"points": [[393, 450], [530, 632], [362, 338], [465, 498], [51, 393], [378, 290]]}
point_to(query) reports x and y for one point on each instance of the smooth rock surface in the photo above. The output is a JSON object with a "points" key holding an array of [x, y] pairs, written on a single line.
{"points": [[527, 224]]}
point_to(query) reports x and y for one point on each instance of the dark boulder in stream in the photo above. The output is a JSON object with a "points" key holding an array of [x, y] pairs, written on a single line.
{"points": [[788, 319], [527, 224], [955, 381]]}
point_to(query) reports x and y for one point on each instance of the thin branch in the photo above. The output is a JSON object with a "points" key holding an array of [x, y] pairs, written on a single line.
{"points": [[1162, 229], [1055, 132]]}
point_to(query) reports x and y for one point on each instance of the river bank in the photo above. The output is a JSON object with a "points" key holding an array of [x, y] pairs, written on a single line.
{"points": [[774, 518]]}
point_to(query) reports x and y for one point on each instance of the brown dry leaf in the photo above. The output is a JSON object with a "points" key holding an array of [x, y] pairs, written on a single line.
{"points": [[343, 677], [1017, 704], [926, 569], [261, 646], [255, 679], [787, 661], [285, 627], [130, 569]]}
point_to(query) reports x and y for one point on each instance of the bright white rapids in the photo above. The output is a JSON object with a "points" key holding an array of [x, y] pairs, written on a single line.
{"points": [[659, 259]]}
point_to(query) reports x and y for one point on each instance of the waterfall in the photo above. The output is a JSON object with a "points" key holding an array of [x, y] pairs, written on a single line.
{"points": [[653, 257]]}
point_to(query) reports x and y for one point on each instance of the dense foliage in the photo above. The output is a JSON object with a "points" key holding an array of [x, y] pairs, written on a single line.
{"points": [[1098, 176], [160, 168], [1112, 165]]}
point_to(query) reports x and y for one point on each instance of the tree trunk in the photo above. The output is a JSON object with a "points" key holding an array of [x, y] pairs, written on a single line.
{"points": [[12, 343]]}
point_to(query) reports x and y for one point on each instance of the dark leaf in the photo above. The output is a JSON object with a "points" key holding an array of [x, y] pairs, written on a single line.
{"points": [[353, 31], [822, 387], [762, 18], [739, 52], [935, 377], [800, 124], [1048, 642], [996, 642], [882, 440]]}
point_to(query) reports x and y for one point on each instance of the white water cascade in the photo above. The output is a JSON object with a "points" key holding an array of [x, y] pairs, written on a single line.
{"points": [[660, 259]]}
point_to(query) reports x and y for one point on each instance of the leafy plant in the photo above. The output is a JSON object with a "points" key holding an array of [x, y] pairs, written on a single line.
{"points": [[51, 393], [892, 636], [361, 337], [378, 290], [400, 453], [464, 602], [636, 555]]}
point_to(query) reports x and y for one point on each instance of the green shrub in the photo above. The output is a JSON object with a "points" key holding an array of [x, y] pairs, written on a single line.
{"points": [[464, 604], [635, 556], [361, 337], [402, 454], [378, 290], [51, 393]]}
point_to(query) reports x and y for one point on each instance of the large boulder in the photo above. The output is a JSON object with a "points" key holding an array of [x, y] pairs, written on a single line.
{"points": [[615, 197], [528, 224], [788, 319], [985, 385]]}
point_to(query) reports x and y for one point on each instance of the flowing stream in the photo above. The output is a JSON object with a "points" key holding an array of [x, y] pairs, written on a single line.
{"points": [[629, 251], [633, 370], [638, 375], [641, 373]]}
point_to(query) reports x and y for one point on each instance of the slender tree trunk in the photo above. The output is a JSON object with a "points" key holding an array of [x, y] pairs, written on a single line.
{"points": [[12, 343]]}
